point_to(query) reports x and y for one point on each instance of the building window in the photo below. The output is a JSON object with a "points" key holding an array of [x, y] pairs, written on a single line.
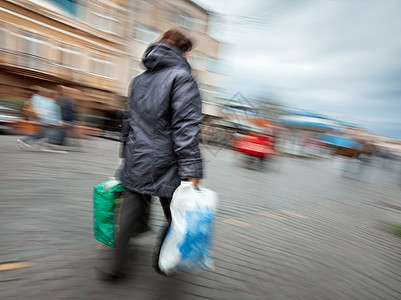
{"points": [[209, 93], [181, 17], [199, 61], [69, 57], [101, 66], [69, 6], [195, 60], [198, 25], [185, 20], [146, 34], [172, 14], [212, 64], [191, 23], [2, 37], [31, 49], [103, 18], [81, 11]]}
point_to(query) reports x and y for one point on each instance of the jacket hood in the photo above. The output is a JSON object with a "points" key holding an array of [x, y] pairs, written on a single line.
{"points": [[159, 56]]}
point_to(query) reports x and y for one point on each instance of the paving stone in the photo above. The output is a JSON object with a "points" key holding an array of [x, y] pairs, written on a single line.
{"points": [[325, 243]]}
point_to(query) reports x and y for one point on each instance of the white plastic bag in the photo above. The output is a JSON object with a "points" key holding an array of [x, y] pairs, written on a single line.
{"points": [[187, 245]]}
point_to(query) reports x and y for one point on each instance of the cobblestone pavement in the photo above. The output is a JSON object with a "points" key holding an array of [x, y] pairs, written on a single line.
{"points": [[296, 230]]}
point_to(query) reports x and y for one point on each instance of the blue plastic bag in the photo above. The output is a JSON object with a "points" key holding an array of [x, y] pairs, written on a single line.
{"points": [[188, 243]]}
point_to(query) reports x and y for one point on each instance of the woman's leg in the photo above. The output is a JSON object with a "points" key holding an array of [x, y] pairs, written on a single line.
{"points": [[165, 203], [131, 215]]}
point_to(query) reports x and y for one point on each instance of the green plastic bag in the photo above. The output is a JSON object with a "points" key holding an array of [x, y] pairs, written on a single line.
{"points": [[106, 198]]}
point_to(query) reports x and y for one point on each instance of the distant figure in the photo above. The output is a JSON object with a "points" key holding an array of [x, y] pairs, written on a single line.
{"points": [[67, 104], [48, 115], [364, 157]]}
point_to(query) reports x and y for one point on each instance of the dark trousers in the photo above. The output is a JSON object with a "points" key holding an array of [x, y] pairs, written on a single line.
{"points": [[132, 214], [53, 135], [35, 137]]}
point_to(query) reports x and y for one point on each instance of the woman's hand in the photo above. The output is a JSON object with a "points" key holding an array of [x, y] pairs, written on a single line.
{"points": [[194, 181]]}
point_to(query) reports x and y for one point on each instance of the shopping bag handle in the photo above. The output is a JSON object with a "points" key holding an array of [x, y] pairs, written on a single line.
{"points": [[196, 187]]}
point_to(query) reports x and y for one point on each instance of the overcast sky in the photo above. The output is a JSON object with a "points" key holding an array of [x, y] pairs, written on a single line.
{"points": [[340, 58]]}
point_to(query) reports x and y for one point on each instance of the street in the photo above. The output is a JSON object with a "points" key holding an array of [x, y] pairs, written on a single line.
{"points": [[296, 230]]}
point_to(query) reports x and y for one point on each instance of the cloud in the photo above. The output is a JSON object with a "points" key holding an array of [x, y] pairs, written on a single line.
{"points": [[340, 58]]}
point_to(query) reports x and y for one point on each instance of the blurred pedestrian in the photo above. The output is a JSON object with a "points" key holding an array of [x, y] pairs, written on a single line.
{"points": [[48, 114], [67, 104], [365, 156], [159, 135]]}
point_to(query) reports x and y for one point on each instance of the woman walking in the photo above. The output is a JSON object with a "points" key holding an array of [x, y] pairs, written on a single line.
{"points": [[159, 137]]}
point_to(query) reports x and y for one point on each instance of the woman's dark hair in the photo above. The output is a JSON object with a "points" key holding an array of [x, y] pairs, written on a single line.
{"points": [[177, 39]]}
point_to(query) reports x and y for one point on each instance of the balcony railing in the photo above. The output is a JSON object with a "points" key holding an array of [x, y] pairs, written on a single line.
{"points": [[41, 65]]}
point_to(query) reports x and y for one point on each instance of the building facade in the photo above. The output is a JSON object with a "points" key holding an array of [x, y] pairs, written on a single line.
{"points": [[96, 46], [77, 43], [149, 19]]}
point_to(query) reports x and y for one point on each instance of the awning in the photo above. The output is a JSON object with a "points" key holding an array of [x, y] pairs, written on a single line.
{"points": [[339, 141], [308, 123]]}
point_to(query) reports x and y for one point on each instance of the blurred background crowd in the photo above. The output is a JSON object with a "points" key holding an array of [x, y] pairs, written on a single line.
{"points": [[93, 48]]}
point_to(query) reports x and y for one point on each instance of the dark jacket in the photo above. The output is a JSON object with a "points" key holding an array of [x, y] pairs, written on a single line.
{"points": [[67, 108], [160, 130]]}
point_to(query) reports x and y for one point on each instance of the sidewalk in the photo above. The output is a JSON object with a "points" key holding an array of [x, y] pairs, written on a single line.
{"points": [[301, 233]]}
